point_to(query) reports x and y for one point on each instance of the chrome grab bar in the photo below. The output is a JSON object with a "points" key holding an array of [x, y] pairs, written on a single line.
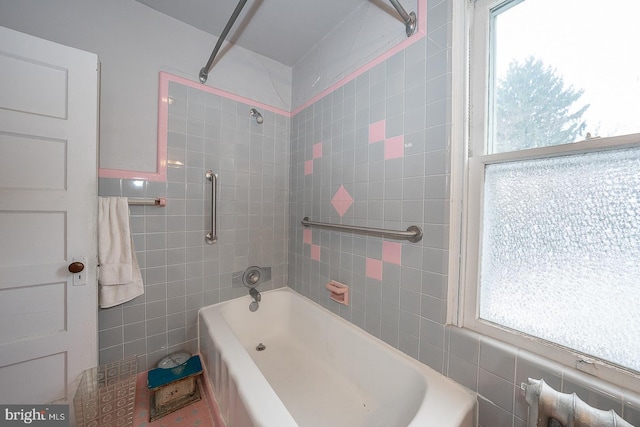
{"points": [[211, 236], [413, 233]]}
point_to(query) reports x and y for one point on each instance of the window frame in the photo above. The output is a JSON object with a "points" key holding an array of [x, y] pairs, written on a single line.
{"points": [[474, 42]]}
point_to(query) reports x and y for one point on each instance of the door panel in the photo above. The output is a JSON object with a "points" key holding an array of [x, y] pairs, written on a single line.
{"points": [[32, 311], [48, 214], [18, 171], [31, 387], [22, 228], [32, 86]]}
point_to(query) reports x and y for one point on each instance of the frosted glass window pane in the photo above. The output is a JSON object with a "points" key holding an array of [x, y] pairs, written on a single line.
{"points": [[561, 251]]}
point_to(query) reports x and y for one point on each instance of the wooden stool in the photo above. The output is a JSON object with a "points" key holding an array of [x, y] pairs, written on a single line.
{"points": [[174, 388]]}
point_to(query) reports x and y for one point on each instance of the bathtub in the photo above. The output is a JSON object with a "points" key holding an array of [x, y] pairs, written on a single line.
{"points": [[317, 369]]}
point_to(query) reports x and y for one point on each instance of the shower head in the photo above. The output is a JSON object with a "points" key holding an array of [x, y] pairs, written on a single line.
{"points": [[257, 115]]}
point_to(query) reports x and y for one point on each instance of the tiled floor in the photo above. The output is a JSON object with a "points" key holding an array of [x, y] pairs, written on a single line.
{"points": [[197, 414]]}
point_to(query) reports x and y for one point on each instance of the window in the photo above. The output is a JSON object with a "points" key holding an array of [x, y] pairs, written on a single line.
{"points": [[552, 256]]}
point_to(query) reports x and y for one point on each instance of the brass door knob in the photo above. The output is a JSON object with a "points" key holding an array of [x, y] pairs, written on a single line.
{"points": [[76, 267]]}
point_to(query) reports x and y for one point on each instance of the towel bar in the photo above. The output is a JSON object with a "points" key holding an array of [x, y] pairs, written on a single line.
{"points": [[159, 201]]}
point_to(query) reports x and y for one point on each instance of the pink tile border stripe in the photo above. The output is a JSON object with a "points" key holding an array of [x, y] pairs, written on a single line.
{"points": [[163, 117], [161, 166], [419, 34], [161, 169]]}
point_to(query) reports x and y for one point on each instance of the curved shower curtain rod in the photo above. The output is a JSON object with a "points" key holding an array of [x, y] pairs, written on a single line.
{"points": [[408, 18], [204, 72]]}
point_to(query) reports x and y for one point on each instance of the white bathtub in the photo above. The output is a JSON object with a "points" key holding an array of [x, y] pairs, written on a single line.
{"points": [[317, 370]]}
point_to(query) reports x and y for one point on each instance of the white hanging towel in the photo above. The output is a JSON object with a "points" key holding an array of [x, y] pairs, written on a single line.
{"points": [[120, 278]]}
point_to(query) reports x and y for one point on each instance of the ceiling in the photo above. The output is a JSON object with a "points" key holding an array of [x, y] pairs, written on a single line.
{"points": [[283, 30]]}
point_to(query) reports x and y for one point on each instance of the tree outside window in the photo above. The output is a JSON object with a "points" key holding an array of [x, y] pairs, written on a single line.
{"points": [[535, 108]]}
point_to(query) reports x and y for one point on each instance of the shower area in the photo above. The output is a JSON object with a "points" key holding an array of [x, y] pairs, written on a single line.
{"points": [[184, 268], [241, 175]]}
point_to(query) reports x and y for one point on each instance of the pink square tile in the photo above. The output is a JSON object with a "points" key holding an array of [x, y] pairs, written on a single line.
{"points": [[317, 150], [377, 131], [308, 167], [306, 236], [315, 252], [392, 252], [394, 147], [374, 268]]}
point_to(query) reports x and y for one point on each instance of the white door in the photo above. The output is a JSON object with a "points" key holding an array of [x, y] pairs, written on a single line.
{"points": [[48, 204]]}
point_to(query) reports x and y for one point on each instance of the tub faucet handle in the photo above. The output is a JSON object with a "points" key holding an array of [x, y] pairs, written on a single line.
{"points": [[253, 277]]}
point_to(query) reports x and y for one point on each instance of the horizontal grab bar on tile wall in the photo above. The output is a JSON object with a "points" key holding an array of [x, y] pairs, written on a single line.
{"points": [[413, 233], [211, 236]]}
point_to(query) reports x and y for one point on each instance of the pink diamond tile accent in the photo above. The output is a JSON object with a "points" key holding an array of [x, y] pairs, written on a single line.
{"points": [[317, 150], [342, 201], [392, 252], [377, 131], [394, 147], [315, 252], [308, 167], [306, 236], [374, 268]]}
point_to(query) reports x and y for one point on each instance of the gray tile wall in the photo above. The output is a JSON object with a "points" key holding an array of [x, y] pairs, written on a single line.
{"points": [[399, 292], [180, 271], [495, 370], [411, 92]]}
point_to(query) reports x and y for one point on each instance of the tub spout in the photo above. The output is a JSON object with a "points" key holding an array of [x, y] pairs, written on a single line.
{"points": [[255, 304], [255, 294]]}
